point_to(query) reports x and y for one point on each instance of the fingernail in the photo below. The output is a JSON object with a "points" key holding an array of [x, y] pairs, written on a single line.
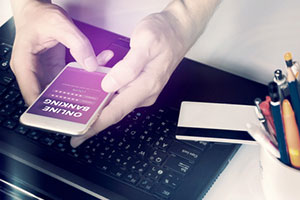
{"points": [[104, 57], [109, 55], [90, 63], [109, 84]]}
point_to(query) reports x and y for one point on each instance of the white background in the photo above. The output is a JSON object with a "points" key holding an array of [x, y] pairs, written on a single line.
{"points": [[244, 37]]}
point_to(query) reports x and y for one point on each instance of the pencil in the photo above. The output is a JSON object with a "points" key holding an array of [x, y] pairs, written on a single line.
{"points": [[293, 87], [291, 133]]}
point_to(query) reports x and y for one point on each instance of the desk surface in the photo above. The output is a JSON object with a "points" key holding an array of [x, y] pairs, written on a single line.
{"points": [[240, 180]]}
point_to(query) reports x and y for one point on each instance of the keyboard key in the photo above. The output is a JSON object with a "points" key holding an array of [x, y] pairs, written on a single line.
{"points": [[142, 167], [6, 78], [201, 145], [178, 165], [117, 158], [105, 152], [2, 89], [74, 152], [146, 184], [4, 50], [185, 151], [158, 157], [133, 116], [171, 179], [20, 103], [62, 138], [47, 141], [131, 177], [149, 139], [103, 166], [163, 191], [117, 171], [35, 135], [154, 172], [21, 129], [7, 109], [11, 95], [16, 115], [61, 147], [163, 143], [142, 151], [87, 158], [137, 165], [11, 124], [15, 85], [4, 65]]}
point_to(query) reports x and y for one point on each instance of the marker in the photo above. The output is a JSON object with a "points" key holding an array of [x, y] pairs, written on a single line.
{"points": [[276, 112], [262, 139], [291, 133], [293, 87]]}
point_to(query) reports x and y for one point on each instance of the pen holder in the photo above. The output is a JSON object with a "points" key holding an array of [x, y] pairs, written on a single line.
{"points": [[279, 181]]}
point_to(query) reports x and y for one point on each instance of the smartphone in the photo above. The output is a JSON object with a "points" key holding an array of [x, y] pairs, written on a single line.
{"points": [[71, 102]]}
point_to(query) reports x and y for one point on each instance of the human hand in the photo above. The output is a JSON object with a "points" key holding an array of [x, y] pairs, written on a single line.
{"points": [[42, 31], [156, 48]]}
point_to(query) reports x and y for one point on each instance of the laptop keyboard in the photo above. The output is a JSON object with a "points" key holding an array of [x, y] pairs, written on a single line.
{"points": [[141, 150]]}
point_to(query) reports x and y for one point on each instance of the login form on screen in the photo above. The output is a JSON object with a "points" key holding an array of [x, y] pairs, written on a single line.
{"points": [[74, 96]]}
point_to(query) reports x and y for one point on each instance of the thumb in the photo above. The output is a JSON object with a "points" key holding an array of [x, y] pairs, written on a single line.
{"points": [[125, 71]]}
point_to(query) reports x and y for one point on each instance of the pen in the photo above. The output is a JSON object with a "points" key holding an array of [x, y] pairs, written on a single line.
{"points": [[259, 114], [264, 122], [265, 108], [281, 81], [276, 112], [291, 133], [260, 136], [293, 87]]}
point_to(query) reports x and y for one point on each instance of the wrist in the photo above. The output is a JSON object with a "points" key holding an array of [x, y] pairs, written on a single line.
{"points": [[190, 18], [19, 7]]}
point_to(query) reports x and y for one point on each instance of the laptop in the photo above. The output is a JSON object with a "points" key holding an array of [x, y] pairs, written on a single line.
{"points": [[138, 158]]}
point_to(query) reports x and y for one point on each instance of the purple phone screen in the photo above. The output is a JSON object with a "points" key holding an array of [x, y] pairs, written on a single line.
{"points": [[74, 96]]}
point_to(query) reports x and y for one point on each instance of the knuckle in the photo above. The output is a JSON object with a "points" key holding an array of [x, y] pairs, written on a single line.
{"points": [[114, 116], [117, 117], [153, 85], [13, 63], [55, 15], [144, 37], [81, 46], [150, 101]]}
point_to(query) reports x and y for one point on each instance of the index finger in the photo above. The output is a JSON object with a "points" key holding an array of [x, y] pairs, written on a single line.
{"points": [[71, 37]]}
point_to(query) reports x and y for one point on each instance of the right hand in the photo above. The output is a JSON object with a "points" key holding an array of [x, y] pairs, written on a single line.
{"points": [[42, 31], [156, 48]]}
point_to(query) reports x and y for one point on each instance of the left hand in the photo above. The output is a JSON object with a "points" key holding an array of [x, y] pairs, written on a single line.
{"points": [[156, 48]]}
